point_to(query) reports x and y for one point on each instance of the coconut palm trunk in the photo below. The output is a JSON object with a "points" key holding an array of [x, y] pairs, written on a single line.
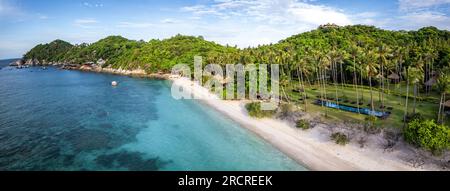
{"points": [[335, 83], [319, 81], [407, 97], [371, 94], [362, 84], [440, 107], [355, 83], [302, 86], [325, 91], [415, 98], [443, 115], [304, 91], [342, 77]]}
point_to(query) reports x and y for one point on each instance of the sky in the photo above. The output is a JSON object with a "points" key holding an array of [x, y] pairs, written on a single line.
{"points": [[26, 23]]}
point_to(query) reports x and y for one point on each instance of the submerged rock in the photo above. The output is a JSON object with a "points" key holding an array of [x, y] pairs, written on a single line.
{"points": [[134, 161]]}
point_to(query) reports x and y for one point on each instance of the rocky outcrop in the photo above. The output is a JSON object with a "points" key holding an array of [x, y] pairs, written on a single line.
{"points": [[19, 62], [33, 62], [136, 72], [70, 66]]}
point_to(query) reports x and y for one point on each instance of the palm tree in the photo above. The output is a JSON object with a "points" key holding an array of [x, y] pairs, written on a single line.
{"points": [[354, 51], [391, 69], [430, 55], [382, 54], [335, 57], [407, 96], [283, 83], [324, 63], [316, 56], [362, 74], [415, 75], [301, 65], [443, 84], [372, 70]]}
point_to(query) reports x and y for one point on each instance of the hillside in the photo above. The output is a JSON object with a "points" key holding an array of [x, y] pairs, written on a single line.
{"points": [[161, 55]]}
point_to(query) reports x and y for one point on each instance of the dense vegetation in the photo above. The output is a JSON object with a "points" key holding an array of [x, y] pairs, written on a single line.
{"points": [[405, 73], [54, 51], [254, 110], [346, 42], [340, 138], [302, 124], [364, 56], [119, 52], [429, 135]]}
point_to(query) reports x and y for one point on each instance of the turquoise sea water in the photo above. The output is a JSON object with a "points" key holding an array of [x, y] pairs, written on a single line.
{"points": [[69, 120]]}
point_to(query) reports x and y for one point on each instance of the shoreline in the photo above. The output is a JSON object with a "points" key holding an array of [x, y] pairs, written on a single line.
{"points": [[312, 149]]}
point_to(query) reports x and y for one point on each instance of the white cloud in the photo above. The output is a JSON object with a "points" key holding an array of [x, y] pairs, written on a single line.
{"points": [[420, 13], [169, 21], [416, 20], [94, 5], [406, 5], [251, 22], [85, 23], [278, 11], [134, 25]]}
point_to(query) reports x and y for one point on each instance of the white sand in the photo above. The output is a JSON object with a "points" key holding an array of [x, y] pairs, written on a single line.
{"points": [[312, 148]]}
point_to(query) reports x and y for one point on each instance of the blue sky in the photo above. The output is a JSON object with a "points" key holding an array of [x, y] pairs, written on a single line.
{"points": [[25, 23]]}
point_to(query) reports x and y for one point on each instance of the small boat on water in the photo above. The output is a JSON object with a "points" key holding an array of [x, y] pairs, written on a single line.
{"points": [[114, 83]]}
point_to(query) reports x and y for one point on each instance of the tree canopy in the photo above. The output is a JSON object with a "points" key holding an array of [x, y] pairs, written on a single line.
{"points": [[161, 55]]}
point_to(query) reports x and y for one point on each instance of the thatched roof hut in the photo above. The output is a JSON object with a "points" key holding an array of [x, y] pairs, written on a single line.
{"points": [[394, 76], [447, 103]]}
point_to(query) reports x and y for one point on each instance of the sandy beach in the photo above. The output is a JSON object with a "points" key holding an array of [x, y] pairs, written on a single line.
{"points": [[312, 148]]}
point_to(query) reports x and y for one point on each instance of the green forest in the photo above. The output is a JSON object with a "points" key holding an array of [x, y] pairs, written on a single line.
{"points": [[351, 43], [403, 73]]}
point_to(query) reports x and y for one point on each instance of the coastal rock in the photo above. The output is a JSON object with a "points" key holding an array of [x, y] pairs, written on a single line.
{"points": [[19, 62], [29, 62], [101, 62], [33, 62], [36, 62], [86, 68], [70, 66]]}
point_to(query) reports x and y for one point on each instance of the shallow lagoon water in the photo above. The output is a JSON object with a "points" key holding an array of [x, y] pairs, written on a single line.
{"points": [[70, 120]]}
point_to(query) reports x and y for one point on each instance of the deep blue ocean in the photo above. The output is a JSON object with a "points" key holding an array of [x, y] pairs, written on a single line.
{"points": [[70, 120]]}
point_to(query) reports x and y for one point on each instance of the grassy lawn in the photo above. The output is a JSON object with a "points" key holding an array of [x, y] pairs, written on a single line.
{"points": [[428, 107]]}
